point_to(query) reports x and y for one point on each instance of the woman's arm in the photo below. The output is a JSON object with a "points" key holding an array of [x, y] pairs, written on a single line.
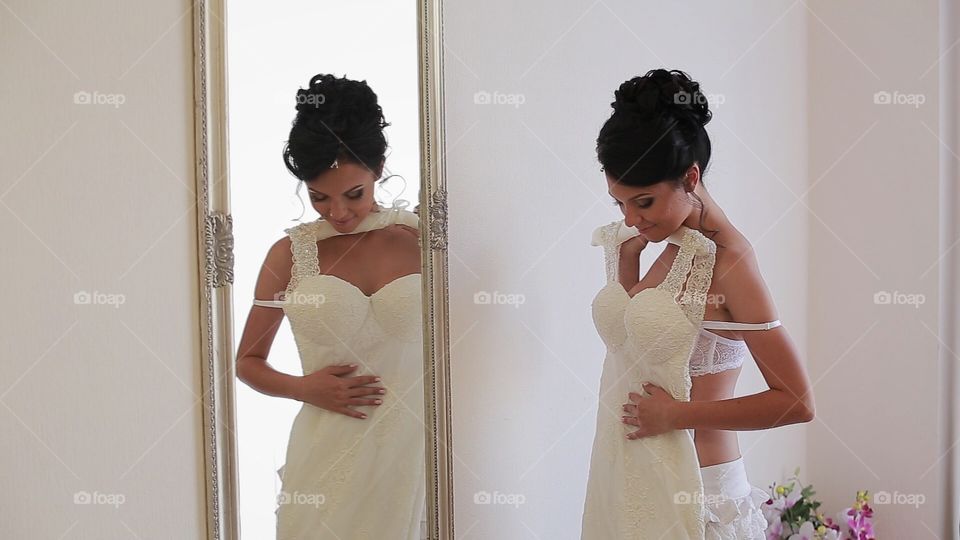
{"points": [[742, 291], [262, 325], [628, 271]]}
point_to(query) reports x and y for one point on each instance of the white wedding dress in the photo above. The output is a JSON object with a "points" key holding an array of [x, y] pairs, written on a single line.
{"points": [[346, 478], [650, 487]]}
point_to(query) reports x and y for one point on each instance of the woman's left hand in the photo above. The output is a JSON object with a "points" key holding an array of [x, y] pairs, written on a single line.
{"points": [[652, 413]]}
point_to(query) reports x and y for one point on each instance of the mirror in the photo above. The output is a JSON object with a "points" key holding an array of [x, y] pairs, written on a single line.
{"points": [[321, 419]]}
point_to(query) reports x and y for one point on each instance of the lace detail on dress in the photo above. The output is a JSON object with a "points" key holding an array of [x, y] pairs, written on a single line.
{"points": [[696, 257], [303, 245], [611, 251]]}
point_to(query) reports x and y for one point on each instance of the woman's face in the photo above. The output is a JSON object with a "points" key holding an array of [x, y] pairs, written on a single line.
{"points": [[344, 195], [656, 211]]}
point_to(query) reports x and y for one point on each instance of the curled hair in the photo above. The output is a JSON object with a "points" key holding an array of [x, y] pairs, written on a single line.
{"points": [[656, 131], [337, 119]]}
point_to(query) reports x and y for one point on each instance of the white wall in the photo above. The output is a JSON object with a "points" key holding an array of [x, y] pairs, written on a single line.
{"points": [[526, 192], [874, 210], [99, 398]]}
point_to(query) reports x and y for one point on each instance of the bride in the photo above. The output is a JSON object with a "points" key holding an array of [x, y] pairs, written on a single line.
{"points": [[666, 462], [349, 283]]}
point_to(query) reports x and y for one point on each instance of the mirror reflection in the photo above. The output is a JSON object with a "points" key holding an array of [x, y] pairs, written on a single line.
{"points": [[325, 202]]}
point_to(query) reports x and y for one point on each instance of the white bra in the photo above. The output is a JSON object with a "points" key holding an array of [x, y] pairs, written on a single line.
{"points": [[712, 353]]}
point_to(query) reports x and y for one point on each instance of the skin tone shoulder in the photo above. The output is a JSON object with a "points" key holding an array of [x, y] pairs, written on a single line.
{"points": [[656, 212], [344, 197]]}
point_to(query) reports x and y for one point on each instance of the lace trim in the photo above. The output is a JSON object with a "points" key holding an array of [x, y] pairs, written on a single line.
{"points": [[737, 519], [696, 257], [611, 252], [713, 356], [303, 245]]}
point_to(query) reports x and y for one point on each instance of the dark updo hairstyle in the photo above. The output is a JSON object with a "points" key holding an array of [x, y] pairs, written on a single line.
{"points": [[337, 118], [656, 131]]}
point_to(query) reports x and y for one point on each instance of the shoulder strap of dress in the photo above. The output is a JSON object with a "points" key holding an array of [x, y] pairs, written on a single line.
{"points": [[303, 245], [606, 236], [696, 257]]}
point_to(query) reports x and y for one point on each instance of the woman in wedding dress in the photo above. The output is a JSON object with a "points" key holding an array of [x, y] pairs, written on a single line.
{"points": [[349, 284], [666, 462]]}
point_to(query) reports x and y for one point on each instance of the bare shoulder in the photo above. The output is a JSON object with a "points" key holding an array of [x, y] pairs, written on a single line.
{"points": [[275, 272], [737, 277], [400, 234]]}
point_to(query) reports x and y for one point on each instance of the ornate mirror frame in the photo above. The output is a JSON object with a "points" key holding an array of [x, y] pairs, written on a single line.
{"points": [[215, 246]]}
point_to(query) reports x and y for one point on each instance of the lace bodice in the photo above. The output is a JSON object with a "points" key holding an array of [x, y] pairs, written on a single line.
{"points": [[355, 464], [712, 353], [649, 487]]}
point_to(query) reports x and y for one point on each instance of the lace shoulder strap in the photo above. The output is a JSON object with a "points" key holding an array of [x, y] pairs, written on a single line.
{"points": [[303, 245], [606, 236], [696, 257]]}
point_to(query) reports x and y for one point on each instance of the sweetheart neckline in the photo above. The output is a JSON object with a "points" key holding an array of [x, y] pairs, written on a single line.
{"points": [[620, 287], [358, 289]]}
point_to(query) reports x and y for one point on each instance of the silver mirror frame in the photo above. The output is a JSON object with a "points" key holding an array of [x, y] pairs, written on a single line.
{"points": [[215, 265]]}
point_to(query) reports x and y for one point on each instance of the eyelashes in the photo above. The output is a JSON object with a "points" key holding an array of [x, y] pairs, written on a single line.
{"points": [[353, 197], [647, 203]]}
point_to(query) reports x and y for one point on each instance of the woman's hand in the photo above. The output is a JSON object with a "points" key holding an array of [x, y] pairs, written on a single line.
{"points": [[634, 245], [329, 388], [652, 413]]}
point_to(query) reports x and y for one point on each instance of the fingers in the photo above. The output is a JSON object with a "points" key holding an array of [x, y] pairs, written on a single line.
{"points": [[366, 391], [364, 401], [630, 408], [361, 380], [632, 420], [350, 412], [341, 369]]}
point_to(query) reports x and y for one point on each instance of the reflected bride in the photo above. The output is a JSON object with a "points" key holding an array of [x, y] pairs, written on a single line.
{"points": [[349, 284]]}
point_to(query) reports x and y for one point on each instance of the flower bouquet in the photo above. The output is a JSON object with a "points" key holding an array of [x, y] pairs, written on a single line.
{"points": [[793, 514]]}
